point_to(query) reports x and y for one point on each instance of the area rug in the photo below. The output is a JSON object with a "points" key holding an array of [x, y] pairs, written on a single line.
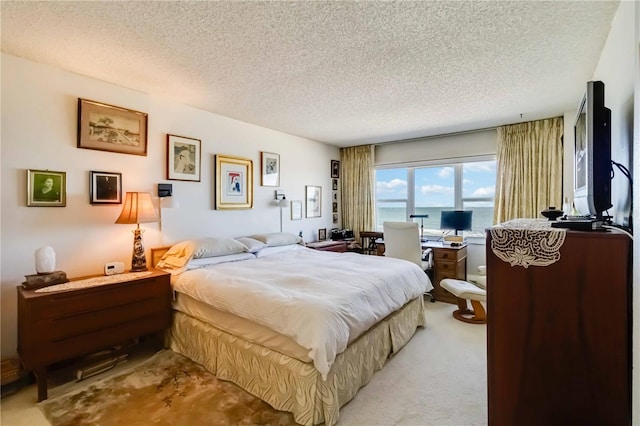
{"points": [[167, 389]]}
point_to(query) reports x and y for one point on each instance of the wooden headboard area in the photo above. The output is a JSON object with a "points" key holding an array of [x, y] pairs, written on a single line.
{"points": [[157, 253]]}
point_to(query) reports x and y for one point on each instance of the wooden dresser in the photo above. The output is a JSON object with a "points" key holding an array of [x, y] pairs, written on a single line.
{"points": [[448, 262], [56, 326], [558, 336]]}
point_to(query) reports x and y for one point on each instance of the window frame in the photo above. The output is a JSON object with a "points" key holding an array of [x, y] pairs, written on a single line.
{"points": [[456, 163]]}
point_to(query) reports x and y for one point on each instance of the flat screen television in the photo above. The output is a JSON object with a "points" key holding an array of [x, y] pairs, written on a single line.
{"points": [[592, 160], [458, 220]]}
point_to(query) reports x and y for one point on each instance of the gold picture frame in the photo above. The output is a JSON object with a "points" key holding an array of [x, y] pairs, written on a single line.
{"points": [[46, 188], [111, 128], [183, 158], [234, 183]]}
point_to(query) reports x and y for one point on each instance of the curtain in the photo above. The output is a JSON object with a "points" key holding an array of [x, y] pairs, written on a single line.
{"points": [[529, 169], [357, 188]]}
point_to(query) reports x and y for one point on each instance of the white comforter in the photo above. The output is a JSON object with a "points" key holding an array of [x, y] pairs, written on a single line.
{"points": [[322, 300]]}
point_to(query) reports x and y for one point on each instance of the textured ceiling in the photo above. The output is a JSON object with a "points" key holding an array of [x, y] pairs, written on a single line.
{"points": [[344, 73]]}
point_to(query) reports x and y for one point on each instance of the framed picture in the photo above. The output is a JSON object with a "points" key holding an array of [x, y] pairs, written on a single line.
{"points": [[234, 186], [270, 166], [335, 196], [46, 188], [105, 188], [322, 234], [335, 218], [334, 184], [183, 158], [111, 128], [334, 207], [335, 170], [314, 200], [296, 210]]}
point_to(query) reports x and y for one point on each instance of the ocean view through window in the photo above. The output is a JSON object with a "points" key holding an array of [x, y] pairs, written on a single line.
{"points": [[430, 189]]}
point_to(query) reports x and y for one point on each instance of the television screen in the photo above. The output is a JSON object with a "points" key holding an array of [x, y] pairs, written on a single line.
{"points": [[459, 220], [592, 160]]}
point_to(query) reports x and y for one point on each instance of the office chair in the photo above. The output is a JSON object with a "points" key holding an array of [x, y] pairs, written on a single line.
{"points": [[402, 241]]}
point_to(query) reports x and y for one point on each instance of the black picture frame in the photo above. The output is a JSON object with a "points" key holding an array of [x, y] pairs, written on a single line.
{"points": [[105, 187], [335, 169]]}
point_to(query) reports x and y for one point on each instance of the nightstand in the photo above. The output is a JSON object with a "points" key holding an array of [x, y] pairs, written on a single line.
{"points": [[61, 325]]}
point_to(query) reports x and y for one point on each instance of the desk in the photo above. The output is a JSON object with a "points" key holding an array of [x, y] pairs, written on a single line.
{"points": [[448, 262]]}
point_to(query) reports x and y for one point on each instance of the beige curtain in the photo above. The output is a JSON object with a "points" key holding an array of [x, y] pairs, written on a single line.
{"points": [[357, 188], [529, 169]]}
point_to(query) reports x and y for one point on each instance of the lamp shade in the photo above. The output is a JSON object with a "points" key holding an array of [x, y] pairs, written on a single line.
{"points": [[138, 208], [283, 203]]}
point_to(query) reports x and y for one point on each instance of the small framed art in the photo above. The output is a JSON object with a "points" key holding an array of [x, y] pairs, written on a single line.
{"points": [[322, 234], [334, 207], [105, 188], [234, 183], [334, 184], [335, 218], [296, 210], [46, 188], [111, 128], [183, 158], [313, 200], [335, 169], [270, 167]]}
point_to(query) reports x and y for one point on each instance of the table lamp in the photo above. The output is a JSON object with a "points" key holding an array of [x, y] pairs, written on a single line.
{"points": [[138, 208]]}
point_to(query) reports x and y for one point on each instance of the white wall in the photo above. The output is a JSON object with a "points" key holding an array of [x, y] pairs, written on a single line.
{"points": [[39, 119]]}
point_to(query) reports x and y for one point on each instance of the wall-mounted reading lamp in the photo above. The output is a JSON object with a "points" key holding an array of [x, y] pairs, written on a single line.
{"points": [[281, 201]]}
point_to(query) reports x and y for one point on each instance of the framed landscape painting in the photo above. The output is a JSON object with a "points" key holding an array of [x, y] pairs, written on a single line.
{"points": [[234, 183], [110, 128]]}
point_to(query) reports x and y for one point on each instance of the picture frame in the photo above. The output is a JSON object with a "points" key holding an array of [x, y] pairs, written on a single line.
{"points": [[334, 207], [313, 196], [46, 188], [105, 127], [270, 169], [322, 234], [296, 210], [335, 218], [234, 183], [334, 184], [105, 187], [183, 158], [335, 169]]}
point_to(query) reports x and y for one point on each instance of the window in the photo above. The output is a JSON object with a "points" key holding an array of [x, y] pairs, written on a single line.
{"points": [[430, 189]]}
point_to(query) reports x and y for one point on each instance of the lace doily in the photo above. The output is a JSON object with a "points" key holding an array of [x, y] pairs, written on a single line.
{"points": [[95, 281], [525, 242]]}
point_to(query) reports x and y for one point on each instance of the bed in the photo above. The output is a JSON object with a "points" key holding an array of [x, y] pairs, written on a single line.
{"points": [[299, 328]]}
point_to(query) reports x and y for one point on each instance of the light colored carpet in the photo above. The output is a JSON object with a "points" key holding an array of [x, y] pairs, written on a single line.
{"points": [[438, 379]]}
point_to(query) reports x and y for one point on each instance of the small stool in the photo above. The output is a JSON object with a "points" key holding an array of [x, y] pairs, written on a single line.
{"points": [[464, 290]]}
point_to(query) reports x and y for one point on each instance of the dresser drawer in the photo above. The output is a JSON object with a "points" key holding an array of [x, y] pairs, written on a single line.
{"points": [[454, 255]]}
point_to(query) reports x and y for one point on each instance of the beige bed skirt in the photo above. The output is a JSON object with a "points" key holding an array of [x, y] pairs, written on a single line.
{"points": [[289, 384]]}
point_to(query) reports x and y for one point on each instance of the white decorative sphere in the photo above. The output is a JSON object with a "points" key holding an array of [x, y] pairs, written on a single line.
{"points": [[45, 260]]}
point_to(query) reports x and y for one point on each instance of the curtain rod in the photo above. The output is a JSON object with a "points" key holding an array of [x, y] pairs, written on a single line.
{"points": [[420, 138]]}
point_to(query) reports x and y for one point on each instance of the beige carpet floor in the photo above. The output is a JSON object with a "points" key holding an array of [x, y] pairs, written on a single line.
{"points": [[438, 379]]}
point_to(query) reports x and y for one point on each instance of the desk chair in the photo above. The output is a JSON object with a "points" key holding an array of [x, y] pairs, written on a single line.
{"points": [[402, 241]]}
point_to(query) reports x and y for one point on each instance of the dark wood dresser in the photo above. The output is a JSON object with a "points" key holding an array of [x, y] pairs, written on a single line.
{"points": [[559, 336], [56, 326]]}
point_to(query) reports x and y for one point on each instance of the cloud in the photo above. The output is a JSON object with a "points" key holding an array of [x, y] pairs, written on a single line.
{"points": [[445, 172], [481, 166], [394, 185], [436, 189], [487, 191]]}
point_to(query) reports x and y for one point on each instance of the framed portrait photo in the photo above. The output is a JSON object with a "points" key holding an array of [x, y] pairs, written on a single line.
{"points": [[313, 200], [270, 167], [105, 187], [46, 188], [296, 210], [335, 169], [334, 184], [234, 186], [111, 128], [335, 218], [183, 158], [322, 234]]}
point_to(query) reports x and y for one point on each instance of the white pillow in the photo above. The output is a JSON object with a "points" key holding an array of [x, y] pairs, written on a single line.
{"points": [[208, 261], [276, 239], [267, 251], [212, 247], [251, 244]]}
